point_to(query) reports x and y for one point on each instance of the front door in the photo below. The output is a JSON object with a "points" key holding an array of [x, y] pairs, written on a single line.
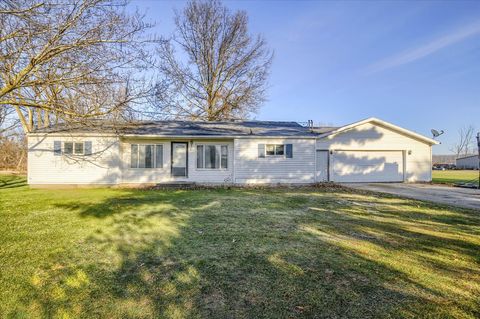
{"points": [[179, 159]]}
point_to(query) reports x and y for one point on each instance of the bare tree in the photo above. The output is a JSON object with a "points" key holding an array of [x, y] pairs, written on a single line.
{"points": [[224, 71], [67, 60], [465, 143], [7, 122]]}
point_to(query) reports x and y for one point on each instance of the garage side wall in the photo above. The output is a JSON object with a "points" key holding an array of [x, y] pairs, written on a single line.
{"points": [[47, 168], [252, 169], [371, 137]]}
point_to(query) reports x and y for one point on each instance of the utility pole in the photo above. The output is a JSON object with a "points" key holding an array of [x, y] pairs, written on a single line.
{"points": [[478, 144]]}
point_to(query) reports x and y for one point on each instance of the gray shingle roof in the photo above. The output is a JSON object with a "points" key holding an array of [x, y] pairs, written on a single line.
{"points": [[194, 128]]}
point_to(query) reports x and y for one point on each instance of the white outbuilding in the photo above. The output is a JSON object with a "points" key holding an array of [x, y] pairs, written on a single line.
{"points": [[468, 162]]}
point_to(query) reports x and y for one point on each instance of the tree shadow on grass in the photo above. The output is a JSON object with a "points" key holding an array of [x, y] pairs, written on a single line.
{"points": [[12, 181], [241, 253]]}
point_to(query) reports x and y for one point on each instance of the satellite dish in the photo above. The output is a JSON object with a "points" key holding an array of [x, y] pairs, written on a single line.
{"points": [[436, 133]]}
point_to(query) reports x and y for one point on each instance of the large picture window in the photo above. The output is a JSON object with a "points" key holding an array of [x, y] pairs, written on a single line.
{"points": [[212, 156], [146, 155]]}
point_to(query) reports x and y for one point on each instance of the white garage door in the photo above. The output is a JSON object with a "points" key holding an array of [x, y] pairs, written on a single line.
{"points": [[367, 166]]}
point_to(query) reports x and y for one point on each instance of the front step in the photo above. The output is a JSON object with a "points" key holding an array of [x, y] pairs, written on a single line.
{"points": [[176, 185]]}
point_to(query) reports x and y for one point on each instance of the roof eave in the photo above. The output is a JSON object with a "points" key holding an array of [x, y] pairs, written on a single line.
{"points": [[383, 123]]}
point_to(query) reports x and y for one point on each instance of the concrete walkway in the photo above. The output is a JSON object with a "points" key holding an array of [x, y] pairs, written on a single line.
{"points": [[455, 196]]}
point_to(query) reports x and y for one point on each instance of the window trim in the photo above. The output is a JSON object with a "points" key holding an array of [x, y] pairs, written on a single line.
{"points": [[154, 152], [204, 147]]}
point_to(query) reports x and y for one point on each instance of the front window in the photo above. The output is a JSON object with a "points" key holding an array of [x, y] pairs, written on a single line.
{"points": [[146, 155], [275, 149], [78, 148], [68, 148], [212, 156]]}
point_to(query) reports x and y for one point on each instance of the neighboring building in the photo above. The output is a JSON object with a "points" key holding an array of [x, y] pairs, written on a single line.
{"points": [[467, 162], [233, 152]]}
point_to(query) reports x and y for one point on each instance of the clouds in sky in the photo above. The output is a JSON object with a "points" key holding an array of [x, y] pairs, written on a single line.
{"points": [[425, 50]]}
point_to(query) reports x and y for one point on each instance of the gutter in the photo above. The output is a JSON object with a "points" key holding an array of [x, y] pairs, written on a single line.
{"points": [[150, 136]]}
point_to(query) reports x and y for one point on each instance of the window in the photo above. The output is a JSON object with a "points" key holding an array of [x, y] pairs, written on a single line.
{"points": [[146, 156], [212, 156], [72, 148], [68, 148], [285, 150], [199, 156], [224, 156], [275, 149], [78, 148]]}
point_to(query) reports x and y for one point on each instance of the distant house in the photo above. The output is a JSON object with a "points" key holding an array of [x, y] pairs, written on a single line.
{"points": [[232, 152], [467, 162]]}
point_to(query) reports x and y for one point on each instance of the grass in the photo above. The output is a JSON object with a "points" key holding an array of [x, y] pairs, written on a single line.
{"points": [[234, 253], [454, 176]]}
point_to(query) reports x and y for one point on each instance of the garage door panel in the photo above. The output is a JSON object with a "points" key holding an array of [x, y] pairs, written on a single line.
{"points": [[367, 166]]}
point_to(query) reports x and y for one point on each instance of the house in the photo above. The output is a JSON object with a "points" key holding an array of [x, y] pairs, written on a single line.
{"points": [[233, 152], [468, 162]]}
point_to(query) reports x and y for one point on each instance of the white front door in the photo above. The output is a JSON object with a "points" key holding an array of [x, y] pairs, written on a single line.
{"points": [[179, 159], [322, 167]]}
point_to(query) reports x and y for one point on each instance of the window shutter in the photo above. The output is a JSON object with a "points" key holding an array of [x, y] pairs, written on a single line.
{"points": [[88, 148], [57, 148], [261, 150], [289, 150]]}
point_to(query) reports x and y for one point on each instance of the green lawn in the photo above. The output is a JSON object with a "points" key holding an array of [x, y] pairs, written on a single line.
{"points": [[453, 176], [233, 253]]}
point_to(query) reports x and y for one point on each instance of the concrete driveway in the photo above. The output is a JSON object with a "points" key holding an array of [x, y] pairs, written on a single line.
{"points": [[461, 197]]}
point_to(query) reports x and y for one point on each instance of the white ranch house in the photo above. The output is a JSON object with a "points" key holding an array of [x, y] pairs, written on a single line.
{"points": [[231, 152]]}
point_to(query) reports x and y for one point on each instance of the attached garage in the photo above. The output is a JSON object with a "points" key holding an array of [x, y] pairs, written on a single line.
{"points": [[373, 151]]}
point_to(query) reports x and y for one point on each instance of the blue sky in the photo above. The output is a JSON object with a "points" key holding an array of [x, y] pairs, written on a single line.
{"points": [[416, 64]]}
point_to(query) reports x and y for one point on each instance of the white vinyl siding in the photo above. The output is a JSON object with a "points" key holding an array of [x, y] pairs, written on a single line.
{"points": [[46, 167], [250, 168], [372, 137]]}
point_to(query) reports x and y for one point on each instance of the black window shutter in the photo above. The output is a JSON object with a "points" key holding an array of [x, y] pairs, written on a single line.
{"points": [[57, 148], [88, 148], [261, 150], [289, 150]]}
